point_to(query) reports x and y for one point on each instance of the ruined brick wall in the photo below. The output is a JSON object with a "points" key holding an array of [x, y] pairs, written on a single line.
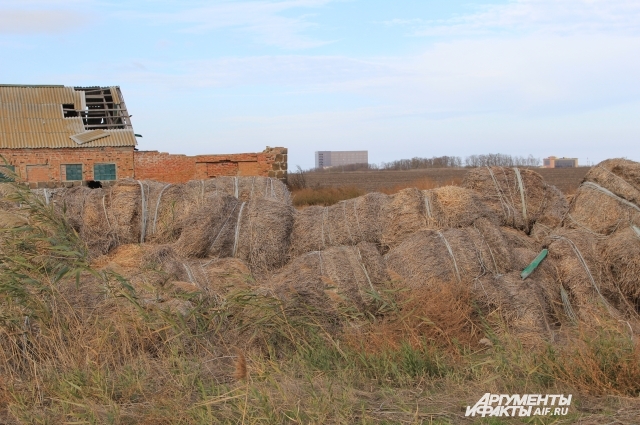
{"points": [[43, 167], [171, 168]]}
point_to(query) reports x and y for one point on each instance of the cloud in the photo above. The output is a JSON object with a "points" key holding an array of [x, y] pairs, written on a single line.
{"points": [[262, 20], [562, 17]]}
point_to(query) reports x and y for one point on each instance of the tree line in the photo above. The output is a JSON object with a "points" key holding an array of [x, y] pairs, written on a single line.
{"points": [[471, 161]]}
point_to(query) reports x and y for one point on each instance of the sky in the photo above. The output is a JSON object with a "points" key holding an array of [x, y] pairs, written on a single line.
{"points": [[399, 78]]}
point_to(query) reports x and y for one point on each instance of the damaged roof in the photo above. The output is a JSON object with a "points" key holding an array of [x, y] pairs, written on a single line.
{"points": [[49, 116]]}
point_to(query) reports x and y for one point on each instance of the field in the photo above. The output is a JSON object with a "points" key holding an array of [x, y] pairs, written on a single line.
{"points": [[567, 180]]}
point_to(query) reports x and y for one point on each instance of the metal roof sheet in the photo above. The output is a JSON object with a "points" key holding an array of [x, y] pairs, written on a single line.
{"points": [[89, 136], [32, 117]]}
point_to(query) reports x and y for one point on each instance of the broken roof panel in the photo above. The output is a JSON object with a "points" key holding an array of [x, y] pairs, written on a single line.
{"points": [[33, 117]]}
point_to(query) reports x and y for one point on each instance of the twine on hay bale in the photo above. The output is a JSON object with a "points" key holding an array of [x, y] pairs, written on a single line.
{"points": [[430, 257], [598, 210], [330, 280], [620, 176], [516, 195], [345, 223], [256, 231], [454, 206], [583, 274], [621, 254]]}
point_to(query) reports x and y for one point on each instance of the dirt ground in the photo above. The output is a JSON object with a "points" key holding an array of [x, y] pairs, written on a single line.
{"points": [[567, 179]]}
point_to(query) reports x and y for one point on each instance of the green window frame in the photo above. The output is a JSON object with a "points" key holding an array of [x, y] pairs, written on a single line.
{"points": [[73, 172], [4, 177], [104, 171]]}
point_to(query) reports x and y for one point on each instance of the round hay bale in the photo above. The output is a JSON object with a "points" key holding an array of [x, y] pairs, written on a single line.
{"points": [[523, 305], [554, 209], [597, 210], [126, 216], [583, 276], [244, 188], [454, 206], [430, 257], [329, 281], [519, 206], [402, 215], [345, 223], [621, 254], [209, 228], [620, 176], [263, 235], [518, 239]]}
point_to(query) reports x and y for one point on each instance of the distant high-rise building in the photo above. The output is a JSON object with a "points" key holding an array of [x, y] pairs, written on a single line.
{"points": [[555, 162], [325, 159]]}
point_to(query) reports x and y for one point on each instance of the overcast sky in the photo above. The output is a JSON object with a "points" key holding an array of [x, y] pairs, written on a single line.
{"points": [[399, 78]]}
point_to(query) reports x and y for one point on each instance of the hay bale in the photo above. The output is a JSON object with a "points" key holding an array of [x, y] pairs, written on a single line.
{"points": [[345, 223], [157, 272], [331, 280], [500, 188], [525, 306], [583, 275], [621, 254], [554, 209], [256, 231], [454, 206], [519, 239], [431, 257], [209, 228], [620, 176], [595, 209], [264, 233], [402, 215], [243, 188]]}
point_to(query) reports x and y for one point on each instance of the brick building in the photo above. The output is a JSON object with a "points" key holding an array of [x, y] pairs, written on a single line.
{"points": [[57, 135], [555, 162]]}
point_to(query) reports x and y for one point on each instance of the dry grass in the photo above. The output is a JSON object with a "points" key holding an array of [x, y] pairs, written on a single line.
{"points": [[325, 196], [424, 183]]}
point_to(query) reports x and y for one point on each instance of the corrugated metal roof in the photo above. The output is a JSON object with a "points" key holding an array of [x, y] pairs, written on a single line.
{"points": [[89, 136], [32, 117]]}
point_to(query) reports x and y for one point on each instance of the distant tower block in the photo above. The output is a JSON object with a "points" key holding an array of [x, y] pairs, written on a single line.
{"points": [[326, 159], [555, 162]]}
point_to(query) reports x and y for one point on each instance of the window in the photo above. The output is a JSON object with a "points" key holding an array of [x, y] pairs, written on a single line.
{"points": [[104, 172], [72, 172], [4, 173]]}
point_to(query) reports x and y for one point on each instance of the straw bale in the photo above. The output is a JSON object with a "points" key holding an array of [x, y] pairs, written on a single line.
{"points": [[404, 214], [7, 189], [330, 280], [593, 211], [243, 188], [524, 305], [518, 239], [157, 272], [454, 206], [583, 274], [264, 234], [209, 227], [554, 209], [620, 176], [345, 223], [621, 254], [423, 259], [500, 190]]}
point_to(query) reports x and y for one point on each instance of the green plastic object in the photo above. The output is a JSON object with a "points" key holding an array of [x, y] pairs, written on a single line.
{"points": [[534, 264], [636, 229]]}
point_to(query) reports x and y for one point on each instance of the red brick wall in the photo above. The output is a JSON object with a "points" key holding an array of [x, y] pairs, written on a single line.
{"points": [[170, 168], [44, 165]]}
